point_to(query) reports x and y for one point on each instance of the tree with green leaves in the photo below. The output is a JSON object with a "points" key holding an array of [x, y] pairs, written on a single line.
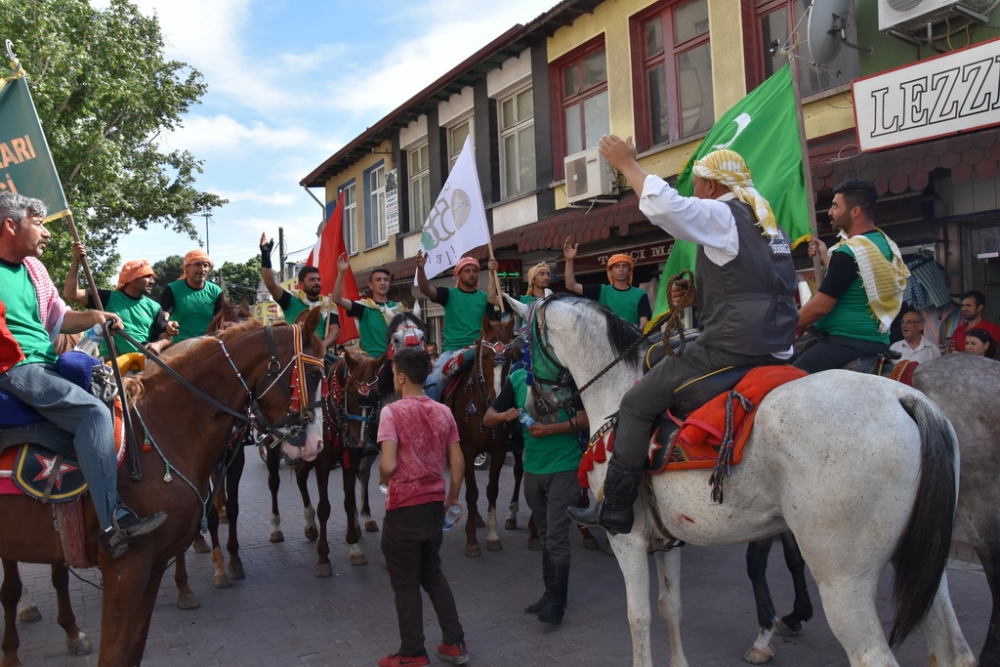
{"points": [[167, 270], [104, 93], [241, 280]]}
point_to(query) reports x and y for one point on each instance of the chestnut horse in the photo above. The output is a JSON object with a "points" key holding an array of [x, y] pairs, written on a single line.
{"points": [[474, 390], [271, 375]]}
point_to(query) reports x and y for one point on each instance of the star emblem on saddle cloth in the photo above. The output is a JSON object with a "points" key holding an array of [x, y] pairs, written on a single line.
{"points": [[654, 447], [48, 465]]}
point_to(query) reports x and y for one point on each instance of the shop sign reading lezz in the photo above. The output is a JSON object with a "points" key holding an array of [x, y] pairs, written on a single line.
{"points": [[948, 94]]}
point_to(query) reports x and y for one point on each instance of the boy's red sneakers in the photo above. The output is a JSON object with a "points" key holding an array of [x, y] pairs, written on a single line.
{"points": [[456, 654], [397, 660]]}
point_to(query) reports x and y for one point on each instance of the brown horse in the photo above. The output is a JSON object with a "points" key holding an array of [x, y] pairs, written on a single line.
{"points": [[276, 387], [475, 389]]}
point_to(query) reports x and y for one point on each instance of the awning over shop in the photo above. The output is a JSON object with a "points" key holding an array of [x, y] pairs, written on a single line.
{"points": [[897, 170]]}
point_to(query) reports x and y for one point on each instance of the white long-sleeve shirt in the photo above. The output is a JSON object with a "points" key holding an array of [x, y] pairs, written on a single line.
{"points": [[707, 222]]}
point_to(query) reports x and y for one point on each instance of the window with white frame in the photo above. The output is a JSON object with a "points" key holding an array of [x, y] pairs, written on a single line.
{"points": [[517, 137], [584, 89], [375, 215], [351, 219], [457, 134], [420, 186]]}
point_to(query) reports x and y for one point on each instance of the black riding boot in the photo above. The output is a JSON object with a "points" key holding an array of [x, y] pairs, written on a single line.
{"points": [[547, 578], [556, 606], [614, 513]]}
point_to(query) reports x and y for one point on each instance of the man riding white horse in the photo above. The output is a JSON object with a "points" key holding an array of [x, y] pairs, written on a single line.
{"points": [[746, 302]]}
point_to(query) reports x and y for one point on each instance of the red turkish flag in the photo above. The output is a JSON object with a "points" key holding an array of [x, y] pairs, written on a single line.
{"points": [[329, 246]]}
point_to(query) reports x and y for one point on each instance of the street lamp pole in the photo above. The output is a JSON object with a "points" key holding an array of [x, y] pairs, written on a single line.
{"points": [[208, 216]]}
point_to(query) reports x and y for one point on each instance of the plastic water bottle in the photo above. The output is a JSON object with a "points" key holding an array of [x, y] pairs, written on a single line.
{"points": [[384, 488], [524, 418], [90, 340], [452, 516]]}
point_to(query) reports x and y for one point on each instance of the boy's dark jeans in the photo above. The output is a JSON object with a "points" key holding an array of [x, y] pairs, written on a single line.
{"points": [[411, 542]]}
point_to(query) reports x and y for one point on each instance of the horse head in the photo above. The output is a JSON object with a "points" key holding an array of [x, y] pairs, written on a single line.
{"points": [[356, 395], [230, 315], [496, 352], [405, 330]]}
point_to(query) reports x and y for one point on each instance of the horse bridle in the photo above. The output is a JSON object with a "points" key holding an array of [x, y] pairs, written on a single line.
{"points": [[369, 406]]}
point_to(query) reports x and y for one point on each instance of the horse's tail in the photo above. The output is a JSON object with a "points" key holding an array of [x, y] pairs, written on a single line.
{"points": [[922, 552]]}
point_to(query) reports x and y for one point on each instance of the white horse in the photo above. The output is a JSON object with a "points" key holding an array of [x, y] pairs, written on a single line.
{"points": [[863, 470]]}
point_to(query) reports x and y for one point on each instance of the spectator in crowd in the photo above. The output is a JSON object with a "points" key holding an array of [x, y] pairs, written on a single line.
{"points": [[914, 346], [980, 343]]}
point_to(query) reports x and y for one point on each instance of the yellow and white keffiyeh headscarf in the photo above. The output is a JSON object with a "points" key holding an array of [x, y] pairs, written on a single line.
{"points": [[884, 280], [730, 169], [324, 304], [387, 312]]}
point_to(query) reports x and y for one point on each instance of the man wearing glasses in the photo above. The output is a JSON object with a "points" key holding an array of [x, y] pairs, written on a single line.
{"points": [[914, 346]]}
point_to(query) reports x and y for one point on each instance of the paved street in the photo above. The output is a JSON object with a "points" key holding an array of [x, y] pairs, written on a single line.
{"points": [[281, 615]]}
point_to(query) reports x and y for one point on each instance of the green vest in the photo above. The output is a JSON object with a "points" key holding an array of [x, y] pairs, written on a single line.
{"points": [[193, 309], [463, 318], [373, 328], [137, 316], [25, 324], [295, 306], [623, 303], [851, 316], [551, 454]]}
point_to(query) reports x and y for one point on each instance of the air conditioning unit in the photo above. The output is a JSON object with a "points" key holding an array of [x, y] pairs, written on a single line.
{"points": [[915, 15], [589, 176]]}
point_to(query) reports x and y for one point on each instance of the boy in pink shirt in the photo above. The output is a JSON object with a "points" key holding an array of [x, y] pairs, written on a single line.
{"points": [[418, 437]]}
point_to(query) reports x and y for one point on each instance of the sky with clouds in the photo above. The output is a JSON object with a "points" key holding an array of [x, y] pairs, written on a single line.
{"points": [[290, 82]]}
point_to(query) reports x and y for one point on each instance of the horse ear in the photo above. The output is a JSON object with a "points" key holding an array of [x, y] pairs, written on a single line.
{"points": [[518, 307], [309, 320], [350, 360], [244, 303]]}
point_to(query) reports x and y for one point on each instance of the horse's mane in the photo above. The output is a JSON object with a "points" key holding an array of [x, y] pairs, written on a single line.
{"points": [[621, 334]]}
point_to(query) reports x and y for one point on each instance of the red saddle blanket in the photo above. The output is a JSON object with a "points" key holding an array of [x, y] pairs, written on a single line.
{"points": [[27, 469], [700, 438]]}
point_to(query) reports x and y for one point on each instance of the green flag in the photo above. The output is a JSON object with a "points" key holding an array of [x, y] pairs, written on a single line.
{"points": [[26, 165], [763, 128]]}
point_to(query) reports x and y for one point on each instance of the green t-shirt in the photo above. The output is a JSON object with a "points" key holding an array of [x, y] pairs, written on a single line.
{"points": [[372, 325], [526, 299], [851, 316], [138, 316], [25, 324], [193, 309], [463, 317], [294, 307], [623, 303], [551, 454]]}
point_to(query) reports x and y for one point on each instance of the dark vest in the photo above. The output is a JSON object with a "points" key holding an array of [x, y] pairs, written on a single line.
{"points": [[748, 305]]}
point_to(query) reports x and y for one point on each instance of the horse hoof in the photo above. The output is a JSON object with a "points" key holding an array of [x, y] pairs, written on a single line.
{"points": [[188, 602], [757, 657], [324, 570], [371, 526], [510, 524], [783, 630], [277, 536], [236, 572], [200, 546], [534, 544], [222, 581], [29, 614], [80, 646], [493, 545], [311, 534], [472, 551], [358, 559], [591, 544], [479, 521]]}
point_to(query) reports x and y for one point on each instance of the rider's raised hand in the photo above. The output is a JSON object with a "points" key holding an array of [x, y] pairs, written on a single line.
{"points": [[265, 251], [569, 250], [342, 262], [421, 259], [492, 264]]}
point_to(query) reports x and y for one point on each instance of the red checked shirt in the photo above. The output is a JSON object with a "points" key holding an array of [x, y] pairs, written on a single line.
{"points": [[423, 428]]}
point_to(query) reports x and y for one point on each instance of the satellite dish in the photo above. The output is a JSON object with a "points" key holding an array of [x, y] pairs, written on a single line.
{"points": [[826, 21]]}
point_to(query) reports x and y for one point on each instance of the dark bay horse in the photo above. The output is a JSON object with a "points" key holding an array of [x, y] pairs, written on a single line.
{"points": [[240, 375], [474, 390], [967, 389]]}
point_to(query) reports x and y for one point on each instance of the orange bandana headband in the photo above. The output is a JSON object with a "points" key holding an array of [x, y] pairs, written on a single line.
{"points": [[197, 256], [133, 270], [533, 272], [621, 258]]}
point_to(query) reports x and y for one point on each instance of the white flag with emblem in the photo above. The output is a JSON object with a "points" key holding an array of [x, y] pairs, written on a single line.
{"points": [[457, 221]]}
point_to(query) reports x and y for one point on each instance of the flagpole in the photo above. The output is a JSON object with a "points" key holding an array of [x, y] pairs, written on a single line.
{"points": [[806, 167], [496, 279]]}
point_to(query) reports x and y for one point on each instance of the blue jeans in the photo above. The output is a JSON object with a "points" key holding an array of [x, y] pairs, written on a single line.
{"points": [[76, 411], [435, 383]]}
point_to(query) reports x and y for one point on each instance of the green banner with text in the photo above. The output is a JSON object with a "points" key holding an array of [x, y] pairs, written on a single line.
{"points": [[26, 165]]}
